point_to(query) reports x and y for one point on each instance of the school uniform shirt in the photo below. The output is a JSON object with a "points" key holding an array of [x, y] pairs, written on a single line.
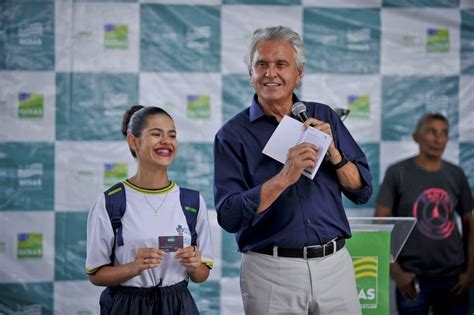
{"points": [[149, 214]]}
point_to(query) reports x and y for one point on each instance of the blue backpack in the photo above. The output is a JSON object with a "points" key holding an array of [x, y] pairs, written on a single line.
{"points": [[115, 203]]}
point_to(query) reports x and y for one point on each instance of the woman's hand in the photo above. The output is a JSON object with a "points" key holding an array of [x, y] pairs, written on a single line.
{"points": [[147, 258], [189, 257]]}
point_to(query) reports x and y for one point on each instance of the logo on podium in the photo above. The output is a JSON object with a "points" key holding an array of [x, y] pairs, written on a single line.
{"points": [[366, 273]]}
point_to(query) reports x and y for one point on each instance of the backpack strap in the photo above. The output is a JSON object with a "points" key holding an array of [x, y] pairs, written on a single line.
{"points": [[189, 199], [115, 203]]}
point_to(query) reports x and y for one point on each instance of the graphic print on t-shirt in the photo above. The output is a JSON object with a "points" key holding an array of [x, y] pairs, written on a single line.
{"points": [[433, 210]]}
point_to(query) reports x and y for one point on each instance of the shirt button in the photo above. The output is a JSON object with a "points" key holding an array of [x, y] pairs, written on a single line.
{"points": [[308, 221]]}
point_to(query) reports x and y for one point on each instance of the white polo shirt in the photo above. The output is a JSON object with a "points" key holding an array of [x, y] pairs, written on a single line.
{"points": [[141, 227]]}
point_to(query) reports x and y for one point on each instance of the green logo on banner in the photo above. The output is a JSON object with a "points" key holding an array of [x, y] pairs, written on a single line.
{"points": [[30, 105], [199, 106], [437, 40], [30, 34], [114, 172], [359, 106], [366, 273], [116, 36], [30, 245]]}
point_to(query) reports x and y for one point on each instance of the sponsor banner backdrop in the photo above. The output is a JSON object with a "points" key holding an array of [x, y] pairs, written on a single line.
{"points": [[69, 70]]}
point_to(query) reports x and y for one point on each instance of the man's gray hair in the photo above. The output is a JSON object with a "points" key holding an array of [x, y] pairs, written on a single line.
{"points": [[430, 116], [280, 32]]}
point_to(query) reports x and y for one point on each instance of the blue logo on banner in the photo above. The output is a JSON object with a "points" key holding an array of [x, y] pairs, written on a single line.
{"points": [[23, 236], [109, 27], [22, 96]]}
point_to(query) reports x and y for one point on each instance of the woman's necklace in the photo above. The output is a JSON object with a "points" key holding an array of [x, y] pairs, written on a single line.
{"points": [[155, 210]]}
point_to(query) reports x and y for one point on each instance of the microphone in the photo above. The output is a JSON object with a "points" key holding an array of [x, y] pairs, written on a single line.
{"points": [[342, 112], [299, 110]]}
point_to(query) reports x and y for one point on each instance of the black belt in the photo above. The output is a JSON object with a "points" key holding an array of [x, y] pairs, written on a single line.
{"points": [[305, 252]]}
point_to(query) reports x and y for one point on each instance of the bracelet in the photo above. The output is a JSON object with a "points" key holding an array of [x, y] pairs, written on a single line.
{"points": [[343, 162]]}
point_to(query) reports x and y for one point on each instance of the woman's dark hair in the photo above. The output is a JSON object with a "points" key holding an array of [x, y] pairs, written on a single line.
{"points": [[135, 120]]}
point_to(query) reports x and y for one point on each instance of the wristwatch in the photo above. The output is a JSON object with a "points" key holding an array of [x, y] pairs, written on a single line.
{"points": [[343, 162]]}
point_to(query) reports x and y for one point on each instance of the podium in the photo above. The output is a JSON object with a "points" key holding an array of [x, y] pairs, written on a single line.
{"points": [[375, 243]]}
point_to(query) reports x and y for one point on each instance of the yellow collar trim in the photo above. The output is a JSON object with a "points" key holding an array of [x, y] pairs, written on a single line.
{"points": [[165, 190]]}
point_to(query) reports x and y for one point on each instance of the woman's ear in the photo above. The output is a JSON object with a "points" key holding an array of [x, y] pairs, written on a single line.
{"points": [[132, 142]]}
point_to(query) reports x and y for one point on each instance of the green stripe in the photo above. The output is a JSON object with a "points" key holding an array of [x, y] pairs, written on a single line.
{"points": [[114, 191], [190, 209]]}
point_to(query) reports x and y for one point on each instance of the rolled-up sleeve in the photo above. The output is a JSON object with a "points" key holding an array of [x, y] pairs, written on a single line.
{"points": [[236, 202], [354, 153], [363, 194]]}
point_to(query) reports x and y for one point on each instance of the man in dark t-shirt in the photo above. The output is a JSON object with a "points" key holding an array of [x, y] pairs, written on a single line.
{"points": [[436, 266]]}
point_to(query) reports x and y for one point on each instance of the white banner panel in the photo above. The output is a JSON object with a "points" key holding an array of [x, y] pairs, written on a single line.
{"points": [[420, 41], [466, 112], [85, 169], [358, 93], [27, 106], [193, 100], [69, 297], [27, 239], [97, 37]]}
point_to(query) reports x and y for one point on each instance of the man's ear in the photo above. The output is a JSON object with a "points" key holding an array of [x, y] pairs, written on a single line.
{"points": [[250, 78], [415, 137], [301, 70], [300, 74]]}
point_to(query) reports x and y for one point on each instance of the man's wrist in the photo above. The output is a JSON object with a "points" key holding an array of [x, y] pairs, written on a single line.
{"points": [[280, 182], [333, 155], [339, 162]]}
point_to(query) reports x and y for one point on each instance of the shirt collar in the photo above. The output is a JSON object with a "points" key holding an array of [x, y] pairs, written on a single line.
{"points": [[256, 110]]}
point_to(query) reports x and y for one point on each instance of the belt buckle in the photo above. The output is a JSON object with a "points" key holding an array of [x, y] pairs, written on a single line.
{"points": [[334, 247], [275, 251], [305, 250]]}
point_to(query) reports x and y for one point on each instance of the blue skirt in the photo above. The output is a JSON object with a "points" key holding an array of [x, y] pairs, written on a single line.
{"points": [[174, 299]]}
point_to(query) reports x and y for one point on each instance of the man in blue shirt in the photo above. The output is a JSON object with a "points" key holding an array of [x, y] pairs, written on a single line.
{"points": [[291, 229]]}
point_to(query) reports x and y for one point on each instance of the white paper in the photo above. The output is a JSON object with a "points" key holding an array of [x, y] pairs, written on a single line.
{"points": [[289, 133]]}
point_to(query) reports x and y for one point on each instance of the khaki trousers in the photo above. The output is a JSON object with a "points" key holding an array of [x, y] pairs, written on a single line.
{"points": [[319, 286]]}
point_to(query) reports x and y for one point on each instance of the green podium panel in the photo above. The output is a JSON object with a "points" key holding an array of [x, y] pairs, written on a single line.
{"points": [[370, 251]]}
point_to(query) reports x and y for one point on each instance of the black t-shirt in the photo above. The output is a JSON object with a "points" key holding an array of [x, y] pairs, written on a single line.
{"points": [[434, 248]]}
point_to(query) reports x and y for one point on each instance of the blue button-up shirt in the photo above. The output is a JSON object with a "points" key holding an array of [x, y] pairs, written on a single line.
{"points": [[309, 212]]}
